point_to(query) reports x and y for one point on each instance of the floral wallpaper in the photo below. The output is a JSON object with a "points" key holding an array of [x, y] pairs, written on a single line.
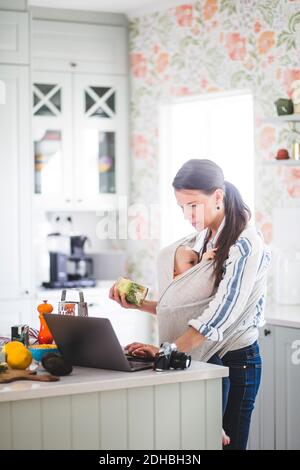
{"points": [[206, 46]]}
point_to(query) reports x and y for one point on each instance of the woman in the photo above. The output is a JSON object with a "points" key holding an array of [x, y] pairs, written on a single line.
{"points": [[240, 262]]}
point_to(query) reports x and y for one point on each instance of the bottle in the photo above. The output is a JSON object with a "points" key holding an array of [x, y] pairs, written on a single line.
{"points": [[44, 336], [296, 151]]}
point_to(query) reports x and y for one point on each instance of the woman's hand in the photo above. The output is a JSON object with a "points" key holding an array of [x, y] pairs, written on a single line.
{"points": [[120, 298], [141, 349], [146, 306]]}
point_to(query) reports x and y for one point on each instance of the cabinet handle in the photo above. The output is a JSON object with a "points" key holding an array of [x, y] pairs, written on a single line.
{"points": [[26, 292], [267, 332], [79, 200], [73, 64], [68, 200]]}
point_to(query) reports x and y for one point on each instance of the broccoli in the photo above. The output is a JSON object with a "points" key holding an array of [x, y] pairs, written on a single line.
{"points": [[134, 293]]}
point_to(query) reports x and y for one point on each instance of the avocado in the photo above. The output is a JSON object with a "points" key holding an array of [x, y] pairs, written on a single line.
{"points": [[56, 364]]}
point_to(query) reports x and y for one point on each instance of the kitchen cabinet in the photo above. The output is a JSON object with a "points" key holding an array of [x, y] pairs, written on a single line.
{"points": [[15, 170], [15, 184], [276, 418], [80, 115], [101, 157], [262, 432], [80, 134], [52, 138], [87, 48], [14, 37], [287, 386]]}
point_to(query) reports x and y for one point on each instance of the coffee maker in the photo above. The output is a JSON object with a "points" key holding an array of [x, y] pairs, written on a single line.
{"points": [[69, 265]]}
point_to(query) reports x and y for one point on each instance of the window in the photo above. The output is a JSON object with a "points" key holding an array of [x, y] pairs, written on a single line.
{"points": [[217, 126]]}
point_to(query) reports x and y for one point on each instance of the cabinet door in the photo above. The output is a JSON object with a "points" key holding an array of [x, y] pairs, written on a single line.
{"points": [[52, 142], [287, 360], [86, 48], [14, 37], [262, 431], [101, 139], [15, 184]]}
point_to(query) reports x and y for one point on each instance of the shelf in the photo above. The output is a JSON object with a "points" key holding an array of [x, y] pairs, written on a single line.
{"points": [[283, 119], [289, 162]]}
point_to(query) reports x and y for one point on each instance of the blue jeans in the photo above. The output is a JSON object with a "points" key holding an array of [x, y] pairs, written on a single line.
{"points": [[245, 367], [239, 391]]}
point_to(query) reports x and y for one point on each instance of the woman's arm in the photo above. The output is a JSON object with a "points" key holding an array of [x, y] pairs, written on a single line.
{"points": [[190, 340], [149, 306]]}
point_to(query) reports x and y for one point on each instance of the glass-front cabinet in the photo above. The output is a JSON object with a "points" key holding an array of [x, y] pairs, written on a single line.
{"points": [[52, 142], [80, 140], [101, 161]]}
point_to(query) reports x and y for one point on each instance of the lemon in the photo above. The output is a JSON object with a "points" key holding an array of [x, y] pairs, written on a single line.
{"points": [[12, 345], [17, 355]]}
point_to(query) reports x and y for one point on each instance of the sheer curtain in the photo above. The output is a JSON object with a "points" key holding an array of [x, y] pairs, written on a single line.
{"points": [[217, 126]]}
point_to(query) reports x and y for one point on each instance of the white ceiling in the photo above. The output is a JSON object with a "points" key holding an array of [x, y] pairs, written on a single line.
{"points": [[128, 7]]}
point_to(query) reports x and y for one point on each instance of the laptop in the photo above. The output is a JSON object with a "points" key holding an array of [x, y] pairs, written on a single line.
{"points": [[92, 342]]}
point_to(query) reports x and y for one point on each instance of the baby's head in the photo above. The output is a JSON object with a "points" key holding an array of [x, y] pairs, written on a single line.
{"points": [[185, 258]]}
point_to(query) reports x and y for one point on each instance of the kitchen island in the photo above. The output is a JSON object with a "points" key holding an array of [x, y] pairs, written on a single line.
{"points": [[104, 409]]}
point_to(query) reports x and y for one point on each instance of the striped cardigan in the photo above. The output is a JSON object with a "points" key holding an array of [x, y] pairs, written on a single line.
{"points": [[229, 316]]}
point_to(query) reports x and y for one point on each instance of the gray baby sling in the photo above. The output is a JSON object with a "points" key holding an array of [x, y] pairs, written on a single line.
{"points": [[188, 295]]}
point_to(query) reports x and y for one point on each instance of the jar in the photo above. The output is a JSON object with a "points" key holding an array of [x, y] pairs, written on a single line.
{"points": [[296, 151]]}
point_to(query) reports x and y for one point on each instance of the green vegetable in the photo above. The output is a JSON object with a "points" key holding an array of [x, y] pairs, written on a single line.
{"points": [[134, 293]]}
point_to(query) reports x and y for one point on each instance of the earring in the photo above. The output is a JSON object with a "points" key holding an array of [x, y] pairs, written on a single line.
{"points": [[218, 208]]}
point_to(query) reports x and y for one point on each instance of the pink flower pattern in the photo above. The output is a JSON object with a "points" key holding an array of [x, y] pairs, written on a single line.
{"points": [[209, 46], [236, 46]]}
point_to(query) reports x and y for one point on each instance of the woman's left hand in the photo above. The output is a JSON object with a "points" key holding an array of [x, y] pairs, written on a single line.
{"points": [[142, 349]]}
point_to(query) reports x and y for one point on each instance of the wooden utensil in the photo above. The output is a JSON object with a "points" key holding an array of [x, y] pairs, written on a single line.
{"points": [[11, 375]]}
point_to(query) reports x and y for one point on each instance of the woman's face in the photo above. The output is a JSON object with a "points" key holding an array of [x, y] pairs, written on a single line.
{"points": [[199, 209]]}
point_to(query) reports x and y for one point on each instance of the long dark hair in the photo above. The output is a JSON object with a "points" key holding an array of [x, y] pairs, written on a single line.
{"points": [[207, 176]]}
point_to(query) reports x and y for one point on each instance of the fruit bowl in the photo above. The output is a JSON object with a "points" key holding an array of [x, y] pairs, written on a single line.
{"points": [[38, 351]]}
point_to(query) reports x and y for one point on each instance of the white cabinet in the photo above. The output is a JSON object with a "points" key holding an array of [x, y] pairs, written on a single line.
{"points": [[100, 118], [276, 418], [15, 198], [62, 46], [80, 131], [287, 388], [52, 138], [80, 122], [262, 432], [14, 37], [15, 184]]}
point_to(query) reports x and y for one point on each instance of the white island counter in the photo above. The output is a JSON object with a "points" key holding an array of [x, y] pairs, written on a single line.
{"points": [[103, 409]]}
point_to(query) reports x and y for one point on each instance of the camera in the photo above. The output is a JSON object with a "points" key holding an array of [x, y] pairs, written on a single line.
{"points": [[169, 358]]}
